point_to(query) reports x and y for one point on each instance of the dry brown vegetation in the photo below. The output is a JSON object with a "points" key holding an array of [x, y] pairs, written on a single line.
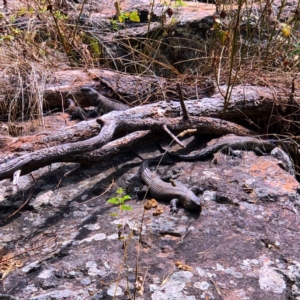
{"points": [[249, 42], [246, 42]]}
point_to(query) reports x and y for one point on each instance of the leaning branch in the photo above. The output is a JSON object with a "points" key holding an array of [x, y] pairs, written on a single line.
{"points": [[116, 123], [39, 158], [152, 117]]}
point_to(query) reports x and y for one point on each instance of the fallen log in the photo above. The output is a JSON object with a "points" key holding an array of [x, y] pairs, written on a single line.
{"points": [[119, 123], [248, 104], [131, 89], [119, 130], [136, 89]]}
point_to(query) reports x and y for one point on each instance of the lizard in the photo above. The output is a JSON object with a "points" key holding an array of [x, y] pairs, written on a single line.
{"points": [[101, 103], [231, 142], [75, 111], [159, 189]]}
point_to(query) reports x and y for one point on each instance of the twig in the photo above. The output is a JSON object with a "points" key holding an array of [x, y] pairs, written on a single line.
{"points": [[30, 194], [33, 177], [67, 174], [292, 96], [165, 127], [215, 285], [139, 248], [184, 111], [27, 250], [78, 20], [107, 190]]}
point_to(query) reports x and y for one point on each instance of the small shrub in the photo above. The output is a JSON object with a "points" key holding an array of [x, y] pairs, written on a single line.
{"points": [[120, 199]]}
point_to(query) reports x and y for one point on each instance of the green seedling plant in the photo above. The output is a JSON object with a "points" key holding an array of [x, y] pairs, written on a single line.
{"points": [[123, 16], [179, 3], [132, 16], [119, 200], [60, 16], [114, 24]]}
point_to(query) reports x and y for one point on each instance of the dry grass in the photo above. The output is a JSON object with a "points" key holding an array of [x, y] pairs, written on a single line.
{"points": [[248, 42]]}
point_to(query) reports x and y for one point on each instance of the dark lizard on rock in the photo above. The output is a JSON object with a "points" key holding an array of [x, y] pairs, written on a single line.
{"points": [[75, 111], [233, 142], [101, 103], [167, 191]]}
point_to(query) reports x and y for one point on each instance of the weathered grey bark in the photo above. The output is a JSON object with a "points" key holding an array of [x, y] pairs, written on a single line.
{"points": [[247, 102], [132, 89], [78, 132], [112, 126], [136, 89]]}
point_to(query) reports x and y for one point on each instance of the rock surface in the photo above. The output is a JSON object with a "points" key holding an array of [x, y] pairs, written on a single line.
{"points": [[64, 244]]}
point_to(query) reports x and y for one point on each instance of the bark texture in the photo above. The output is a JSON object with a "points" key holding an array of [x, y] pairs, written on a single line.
{"points": [[95, 140]]}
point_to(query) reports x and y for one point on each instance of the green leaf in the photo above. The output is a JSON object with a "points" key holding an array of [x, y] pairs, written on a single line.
{"points": [[120, 191], [126, 197], [134, 16], [122, 17], [180, 3], [297, 50], [113, 200], [114, 215], [8, 38], [16, 30], [223, 36], [126, 207]]}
